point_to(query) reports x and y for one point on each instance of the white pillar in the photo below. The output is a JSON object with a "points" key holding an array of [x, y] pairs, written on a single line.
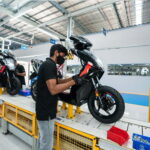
{"points": [[70, 26], [3, 44]]}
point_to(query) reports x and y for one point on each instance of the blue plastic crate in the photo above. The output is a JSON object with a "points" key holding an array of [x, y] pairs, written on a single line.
{"points": [[24, 92], [141, 142]]}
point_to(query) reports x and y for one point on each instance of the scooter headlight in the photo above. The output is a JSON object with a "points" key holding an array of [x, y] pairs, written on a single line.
{"points": [[10, 64]]}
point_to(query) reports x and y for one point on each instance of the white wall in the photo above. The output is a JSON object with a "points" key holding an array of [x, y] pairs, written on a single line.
{"points": [[131, 45], [36, 52], [138, 35]]}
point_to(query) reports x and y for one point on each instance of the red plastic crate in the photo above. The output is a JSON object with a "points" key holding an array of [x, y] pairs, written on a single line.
{"points": [[117, 135]]}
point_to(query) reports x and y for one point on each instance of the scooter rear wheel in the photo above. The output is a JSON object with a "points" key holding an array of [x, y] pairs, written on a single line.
{"points": [[15, 86], [34, 90]]}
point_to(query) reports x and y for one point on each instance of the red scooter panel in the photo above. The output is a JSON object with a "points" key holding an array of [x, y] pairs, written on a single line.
{"points": [[2, 68], [86, 69]]}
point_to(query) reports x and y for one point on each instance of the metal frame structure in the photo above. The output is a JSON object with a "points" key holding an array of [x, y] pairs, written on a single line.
{"points": [[22, 123], [49, 19]]}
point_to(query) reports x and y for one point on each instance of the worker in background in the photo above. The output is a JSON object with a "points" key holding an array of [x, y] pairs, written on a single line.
{"points": [[20, 73], [48, 86]]}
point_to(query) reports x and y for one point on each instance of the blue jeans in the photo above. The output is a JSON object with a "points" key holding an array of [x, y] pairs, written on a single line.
{"points": [[46, 133]]}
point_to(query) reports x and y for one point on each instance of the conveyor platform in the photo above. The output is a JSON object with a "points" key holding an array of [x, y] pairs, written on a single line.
{"points": [[85, 123]]}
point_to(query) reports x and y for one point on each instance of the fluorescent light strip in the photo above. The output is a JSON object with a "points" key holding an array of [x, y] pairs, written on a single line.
{"points": [[20, 14], [138, 11], [48, 33]]}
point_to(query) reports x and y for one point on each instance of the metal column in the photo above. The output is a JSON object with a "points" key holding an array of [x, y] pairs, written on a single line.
{"points": [[70, 26], [35, 144], [3, 43], [7, 127], [4, 126]]}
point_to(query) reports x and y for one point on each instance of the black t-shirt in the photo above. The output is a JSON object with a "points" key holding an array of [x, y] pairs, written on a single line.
{"points": [[20, 69], [46, 103]]}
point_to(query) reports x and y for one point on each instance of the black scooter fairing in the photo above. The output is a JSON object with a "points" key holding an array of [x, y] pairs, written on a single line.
{"points": [[78, 94]]}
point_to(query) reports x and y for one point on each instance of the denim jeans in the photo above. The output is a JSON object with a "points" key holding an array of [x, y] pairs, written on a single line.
{"points": [[46, 132]]}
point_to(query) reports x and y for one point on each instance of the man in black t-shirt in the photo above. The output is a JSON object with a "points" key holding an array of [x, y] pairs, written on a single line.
{"points": [[20, 73], [48, 86]]}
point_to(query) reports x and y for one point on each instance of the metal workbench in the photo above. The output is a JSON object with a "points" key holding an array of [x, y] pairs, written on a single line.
{"points": [[86, 123]]}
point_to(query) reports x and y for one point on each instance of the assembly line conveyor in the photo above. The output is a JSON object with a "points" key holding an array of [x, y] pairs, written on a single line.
{"points": [[83, 132]]}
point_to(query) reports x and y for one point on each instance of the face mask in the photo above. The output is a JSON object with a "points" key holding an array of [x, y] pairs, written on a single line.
{"points": [[60, 60]]}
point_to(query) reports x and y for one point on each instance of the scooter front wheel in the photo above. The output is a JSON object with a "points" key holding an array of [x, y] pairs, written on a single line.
{"points": [[113, 105]]}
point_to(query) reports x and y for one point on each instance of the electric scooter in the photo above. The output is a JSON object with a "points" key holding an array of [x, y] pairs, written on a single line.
{"points": [[104, 103]]}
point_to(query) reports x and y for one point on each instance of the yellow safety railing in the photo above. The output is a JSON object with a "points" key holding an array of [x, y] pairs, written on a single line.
{"points": [[67, 138], [21, 118], [1, 110], [2, 90], [1, 105]]}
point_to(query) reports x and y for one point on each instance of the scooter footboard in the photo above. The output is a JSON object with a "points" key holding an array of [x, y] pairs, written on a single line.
{"points": [[77, 96], [67, 97]]}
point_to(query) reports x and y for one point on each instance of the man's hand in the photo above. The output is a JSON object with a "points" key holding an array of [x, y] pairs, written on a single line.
{"points": [[79, 80]]}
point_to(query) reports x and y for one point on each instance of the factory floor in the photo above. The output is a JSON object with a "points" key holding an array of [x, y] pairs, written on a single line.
{"points": [[10, 141]]}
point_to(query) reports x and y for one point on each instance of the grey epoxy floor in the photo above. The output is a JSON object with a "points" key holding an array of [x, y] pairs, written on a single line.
{"points": [[12, 142]]}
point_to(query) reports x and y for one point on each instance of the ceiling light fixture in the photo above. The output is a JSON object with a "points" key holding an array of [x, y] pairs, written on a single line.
{"points": [[48, 33]]}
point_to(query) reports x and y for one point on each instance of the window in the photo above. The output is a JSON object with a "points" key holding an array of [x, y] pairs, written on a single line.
{"points": [[129, 69]]}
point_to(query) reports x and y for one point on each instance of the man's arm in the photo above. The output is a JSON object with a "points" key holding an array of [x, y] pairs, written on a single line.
{"points": [[60, 81], [21, 74], [55, 88]]}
